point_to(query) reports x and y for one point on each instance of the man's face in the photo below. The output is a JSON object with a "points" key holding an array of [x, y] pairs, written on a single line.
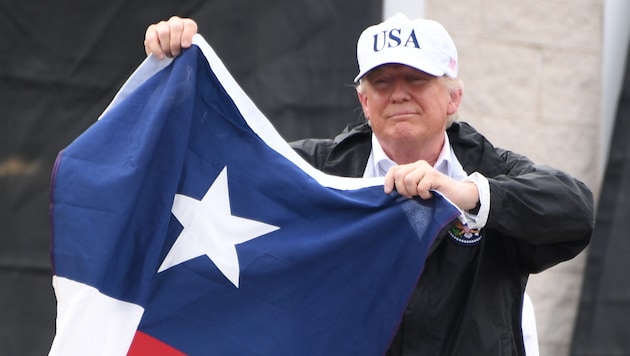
{"points": [[406, 107]]}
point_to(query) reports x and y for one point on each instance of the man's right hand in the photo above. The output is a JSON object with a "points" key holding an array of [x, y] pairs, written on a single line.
{"points": [[167, 38]]}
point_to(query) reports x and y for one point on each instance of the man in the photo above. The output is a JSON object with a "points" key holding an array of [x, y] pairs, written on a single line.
{"points": [[517, 218]]}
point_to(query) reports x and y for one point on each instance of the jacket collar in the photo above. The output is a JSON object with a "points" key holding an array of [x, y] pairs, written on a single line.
{"points": [[473, 150]]}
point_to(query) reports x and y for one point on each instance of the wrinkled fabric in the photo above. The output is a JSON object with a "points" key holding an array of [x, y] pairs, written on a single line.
{"points": [[62, 62]]}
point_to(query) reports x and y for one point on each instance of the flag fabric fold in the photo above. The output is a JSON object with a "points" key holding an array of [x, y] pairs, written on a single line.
{"points": [[182, 223]]}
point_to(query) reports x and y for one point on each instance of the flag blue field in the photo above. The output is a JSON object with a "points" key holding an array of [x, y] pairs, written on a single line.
{"points": [[183, 224]]}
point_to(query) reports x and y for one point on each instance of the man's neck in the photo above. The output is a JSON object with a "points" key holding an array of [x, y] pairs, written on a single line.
{"points": [[408, 153]]}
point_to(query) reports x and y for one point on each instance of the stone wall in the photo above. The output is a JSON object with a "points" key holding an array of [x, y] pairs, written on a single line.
{"points": [[532, 73]]}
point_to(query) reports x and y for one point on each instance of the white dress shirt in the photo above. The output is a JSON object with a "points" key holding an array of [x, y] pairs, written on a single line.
{"points": [[447, 163]]}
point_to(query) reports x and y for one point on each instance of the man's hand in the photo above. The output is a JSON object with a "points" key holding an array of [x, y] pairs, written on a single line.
{"points": [[419, 178], [167, 38]]}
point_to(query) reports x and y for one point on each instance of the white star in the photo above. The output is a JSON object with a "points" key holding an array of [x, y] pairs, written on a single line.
{"points": [[211, 229]]}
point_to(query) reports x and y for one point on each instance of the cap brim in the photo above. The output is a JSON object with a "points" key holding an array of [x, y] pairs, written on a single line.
{"points": [[417, 60]]}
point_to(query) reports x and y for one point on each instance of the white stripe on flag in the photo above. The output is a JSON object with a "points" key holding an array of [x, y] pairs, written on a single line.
{"points": [[100, 325]]}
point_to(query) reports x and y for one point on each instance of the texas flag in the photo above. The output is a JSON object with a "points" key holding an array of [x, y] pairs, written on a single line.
{"points": [[182, 223]]}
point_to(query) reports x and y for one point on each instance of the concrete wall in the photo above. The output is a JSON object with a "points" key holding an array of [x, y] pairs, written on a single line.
{"points": [[532, 74]]}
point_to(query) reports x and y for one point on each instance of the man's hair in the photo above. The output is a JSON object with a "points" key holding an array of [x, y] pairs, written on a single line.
{"points": [[450, 84]]}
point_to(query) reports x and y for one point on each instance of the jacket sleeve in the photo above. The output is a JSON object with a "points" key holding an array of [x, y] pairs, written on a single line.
{"points": [[548, 213]]}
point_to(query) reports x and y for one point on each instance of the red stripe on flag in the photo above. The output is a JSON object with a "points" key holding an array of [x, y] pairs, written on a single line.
{"points": [[144, 345]]}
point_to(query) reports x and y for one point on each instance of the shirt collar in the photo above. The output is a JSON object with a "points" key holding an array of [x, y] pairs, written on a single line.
{"points": [[379, 163]]}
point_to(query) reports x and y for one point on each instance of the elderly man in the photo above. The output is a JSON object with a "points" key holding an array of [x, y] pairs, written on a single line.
{"points": [[517, 217]]}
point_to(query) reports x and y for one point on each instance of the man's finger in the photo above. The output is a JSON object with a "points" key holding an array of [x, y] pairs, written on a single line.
{"points": [[423, 188], [190, 29], [175, 28], [152, 43], [163, 34]]}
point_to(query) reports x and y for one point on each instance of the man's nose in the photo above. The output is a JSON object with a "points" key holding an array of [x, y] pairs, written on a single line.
{"points": [[400, 91]]}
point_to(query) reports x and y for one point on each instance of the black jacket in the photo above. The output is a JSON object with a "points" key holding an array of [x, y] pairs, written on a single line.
{"points": [[469, 298]]}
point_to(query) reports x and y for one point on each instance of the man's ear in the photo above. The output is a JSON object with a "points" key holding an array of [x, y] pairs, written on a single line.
{"points": [[455, 100], [363, 100]]}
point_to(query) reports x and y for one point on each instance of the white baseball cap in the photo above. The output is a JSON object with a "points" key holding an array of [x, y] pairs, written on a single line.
{"points": [[422, 44]]}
